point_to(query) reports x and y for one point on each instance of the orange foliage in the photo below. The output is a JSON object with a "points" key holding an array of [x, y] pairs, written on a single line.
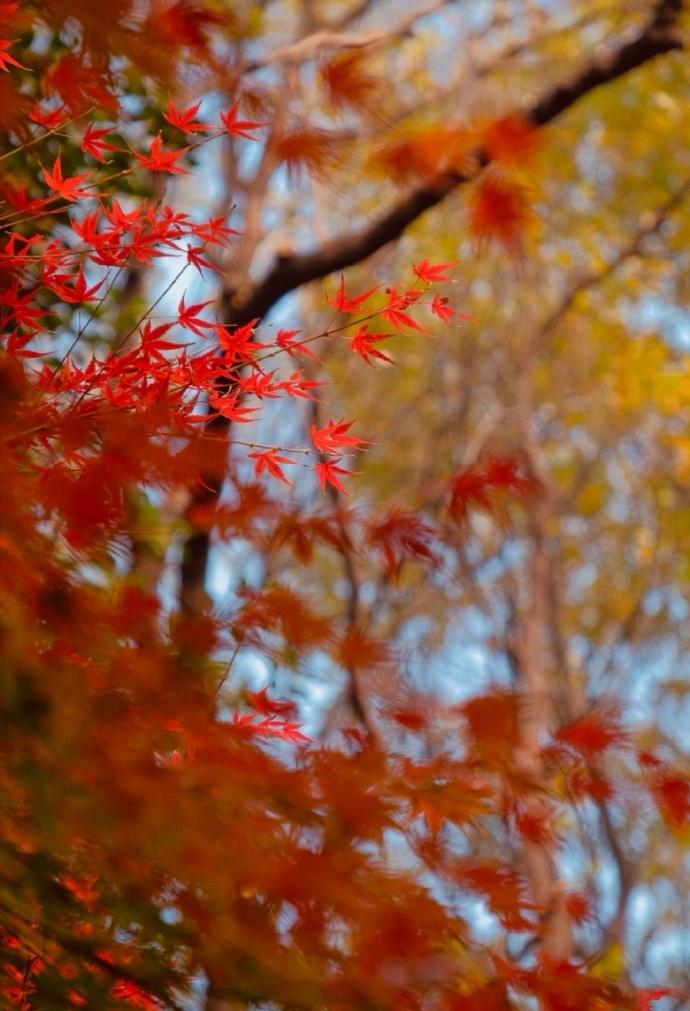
{"points": [[306, 148], [156, 824], [511, 140], [347, 82], [429, 152], [500, 209]]}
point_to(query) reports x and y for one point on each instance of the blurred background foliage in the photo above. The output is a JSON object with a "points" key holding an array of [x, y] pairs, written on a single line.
{"points": [[570, 251]]}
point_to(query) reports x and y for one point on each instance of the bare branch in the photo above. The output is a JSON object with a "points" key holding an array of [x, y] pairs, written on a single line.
{"points": [[327, 39]]}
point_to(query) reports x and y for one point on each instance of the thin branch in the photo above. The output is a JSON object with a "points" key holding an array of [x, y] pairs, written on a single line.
{"points": [[326, 39], [362, 8], [632, 248]]}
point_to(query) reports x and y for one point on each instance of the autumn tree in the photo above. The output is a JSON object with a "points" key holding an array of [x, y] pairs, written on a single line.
{"points": [[307, 711]]}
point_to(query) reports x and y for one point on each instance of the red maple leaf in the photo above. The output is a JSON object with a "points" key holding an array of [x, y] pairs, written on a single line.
{"points": [[270, 726], [6, 60], [239, 127], [284, 340], [394, 311], [500, 210], [328, 473], [184, 120], [240, 342], [440, 308], [152, 342], [93, 144], [478, 486], [401, 536], [333, 436], [270, 460], [343, 304], [79, 291], [49, 118], [593, 733], [159, 160], [289, 732], [68, 189], [269, 707], [188, 318], [196, 259], [24, 311], [362, 343], [431, 273], [230, 406], [297, 386], [214, 230]]}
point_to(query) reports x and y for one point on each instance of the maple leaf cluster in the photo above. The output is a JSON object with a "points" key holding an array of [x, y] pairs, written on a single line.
{"points": [[148, 835]]}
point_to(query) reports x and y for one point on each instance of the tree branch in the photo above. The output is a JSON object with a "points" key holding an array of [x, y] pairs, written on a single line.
{"points": [[659, 36], [291, 272], [327, 39]]}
